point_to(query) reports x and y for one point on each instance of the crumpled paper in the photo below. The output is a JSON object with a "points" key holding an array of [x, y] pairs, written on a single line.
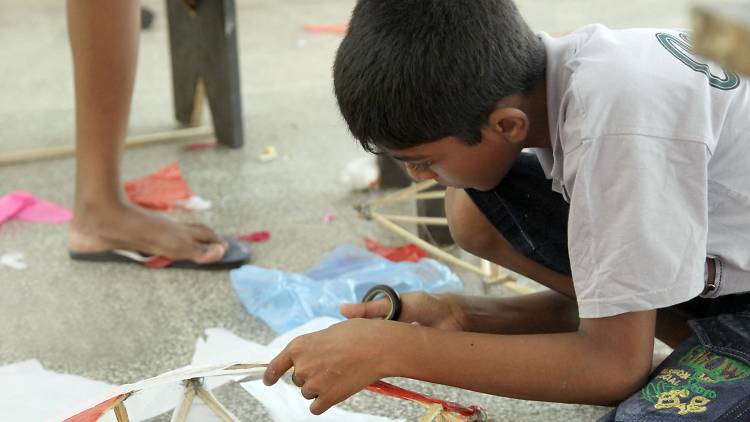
{"points": [[13, 260], [160, 190], [409, 252]]}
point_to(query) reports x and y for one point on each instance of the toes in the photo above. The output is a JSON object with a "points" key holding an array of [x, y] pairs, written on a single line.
{"points": [[204, 234], [209, 253]]}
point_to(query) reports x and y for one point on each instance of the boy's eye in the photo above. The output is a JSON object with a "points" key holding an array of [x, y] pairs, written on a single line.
{"points": [[423, 166]]}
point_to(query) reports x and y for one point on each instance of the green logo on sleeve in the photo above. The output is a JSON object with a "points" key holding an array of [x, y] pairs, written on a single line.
{"points": [[681, 49]]}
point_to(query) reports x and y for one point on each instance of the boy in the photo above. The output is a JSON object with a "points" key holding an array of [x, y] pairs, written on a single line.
{"points": [[644, 145]]}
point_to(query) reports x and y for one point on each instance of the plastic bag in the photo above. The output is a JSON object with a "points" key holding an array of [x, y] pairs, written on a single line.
{"points": [[286, 300]]}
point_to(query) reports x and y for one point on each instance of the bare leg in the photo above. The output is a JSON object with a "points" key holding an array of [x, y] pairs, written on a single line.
{"points": [[104, 41], [474, 233]]}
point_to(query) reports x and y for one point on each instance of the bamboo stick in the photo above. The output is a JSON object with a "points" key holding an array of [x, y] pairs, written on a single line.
{"points": [[389, 199], [489, 272], [200, 94], [180, 414], [402, 194], [430, 221], [213, 404], [59, 151], [434, 250], [490, 268], [121, 414]]}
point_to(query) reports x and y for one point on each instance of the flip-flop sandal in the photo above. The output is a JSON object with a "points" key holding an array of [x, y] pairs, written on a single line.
{"points": [[236, 255]]}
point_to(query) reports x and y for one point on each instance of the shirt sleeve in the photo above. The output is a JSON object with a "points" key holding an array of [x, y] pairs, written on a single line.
{"points": [[638, 224]]}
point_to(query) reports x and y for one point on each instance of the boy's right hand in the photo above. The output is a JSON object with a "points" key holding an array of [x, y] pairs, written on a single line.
{"points": [[441, 311]]}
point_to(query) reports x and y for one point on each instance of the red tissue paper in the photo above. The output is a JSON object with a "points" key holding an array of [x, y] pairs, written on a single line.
{"points": [[410, 252], [159, 190]]}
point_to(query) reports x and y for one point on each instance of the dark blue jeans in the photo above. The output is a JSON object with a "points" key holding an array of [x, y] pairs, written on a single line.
{"points": [[706, 378]]}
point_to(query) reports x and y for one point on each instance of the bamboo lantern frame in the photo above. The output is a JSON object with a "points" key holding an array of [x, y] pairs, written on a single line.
{"points": [[489, 272]]}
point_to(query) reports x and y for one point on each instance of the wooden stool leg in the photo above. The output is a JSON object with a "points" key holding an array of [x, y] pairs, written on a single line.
{"points": [[203, 46]]}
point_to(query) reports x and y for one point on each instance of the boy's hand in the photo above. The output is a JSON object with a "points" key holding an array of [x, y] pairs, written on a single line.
{"points": [[335, 363], [442, 311]]}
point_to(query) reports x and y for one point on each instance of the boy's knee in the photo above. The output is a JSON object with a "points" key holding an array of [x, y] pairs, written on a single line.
{"points": [[476, 242], [469, 228]]}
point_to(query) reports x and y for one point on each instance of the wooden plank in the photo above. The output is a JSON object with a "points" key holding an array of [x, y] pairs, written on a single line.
{"points": [[61, 151]]}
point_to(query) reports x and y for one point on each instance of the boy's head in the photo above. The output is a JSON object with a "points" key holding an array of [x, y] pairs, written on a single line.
{"points": [[411, 73]]}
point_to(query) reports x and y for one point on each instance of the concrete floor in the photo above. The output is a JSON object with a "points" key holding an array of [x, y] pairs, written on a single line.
{"points": [[121, 323]]}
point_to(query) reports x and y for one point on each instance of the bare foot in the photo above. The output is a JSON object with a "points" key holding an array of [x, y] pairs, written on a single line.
{"points": [[98, 229]]}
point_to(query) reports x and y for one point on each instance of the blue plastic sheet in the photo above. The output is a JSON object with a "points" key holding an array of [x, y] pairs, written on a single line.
{"points": [[286, 300]]}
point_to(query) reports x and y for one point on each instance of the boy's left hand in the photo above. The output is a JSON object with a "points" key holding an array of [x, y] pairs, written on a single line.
{"points": [[335, 363]]}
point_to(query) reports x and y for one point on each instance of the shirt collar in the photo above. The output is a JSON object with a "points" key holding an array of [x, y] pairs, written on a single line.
{"points": [[558, 81]]}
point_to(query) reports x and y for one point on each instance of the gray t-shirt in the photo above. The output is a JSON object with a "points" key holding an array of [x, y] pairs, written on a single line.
{"points": [[651, 147]]}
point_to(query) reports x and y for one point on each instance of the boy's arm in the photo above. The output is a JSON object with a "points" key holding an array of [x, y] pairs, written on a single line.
{"points": [[602, 362], [542, 312]]}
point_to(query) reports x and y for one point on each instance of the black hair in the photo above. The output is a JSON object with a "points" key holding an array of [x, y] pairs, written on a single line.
{"points": [[415, 71]]}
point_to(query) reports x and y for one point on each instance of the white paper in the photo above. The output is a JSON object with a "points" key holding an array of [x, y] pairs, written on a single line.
{"points": [[194, 203], [13, 260], [221, 345], [361, 173], [32, 393], [284, 402]]}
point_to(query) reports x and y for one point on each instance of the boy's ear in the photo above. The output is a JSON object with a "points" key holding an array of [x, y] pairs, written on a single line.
{"points": [[510, 123]]}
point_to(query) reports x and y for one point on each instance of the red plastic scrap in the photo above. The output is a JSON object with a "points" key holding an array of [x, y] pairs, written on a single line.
{"points": [[391, 390], [260, 236], [409, 252], [159, 190], [157, 262]]}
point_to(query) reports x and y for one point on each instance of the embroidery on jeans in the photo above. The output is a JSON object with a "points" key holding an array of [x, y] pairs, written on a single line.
{"points": [[672, 399], [699, 370]]}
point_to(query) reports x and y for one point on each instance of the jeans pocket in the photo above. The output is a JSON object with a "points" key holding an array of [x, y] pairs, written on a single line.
{"points": [[727, 337], [706, 378], [726, 334]]}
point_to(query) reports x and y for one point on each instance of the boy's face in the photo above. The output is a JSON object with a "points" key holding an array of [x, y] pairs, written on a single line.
{"points": [[451, 162]]}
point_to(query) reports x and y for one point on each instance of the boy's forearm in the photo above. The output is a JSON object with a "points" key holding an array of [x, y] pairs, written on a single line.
{"points": [[569, 367], [543, 312]]}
